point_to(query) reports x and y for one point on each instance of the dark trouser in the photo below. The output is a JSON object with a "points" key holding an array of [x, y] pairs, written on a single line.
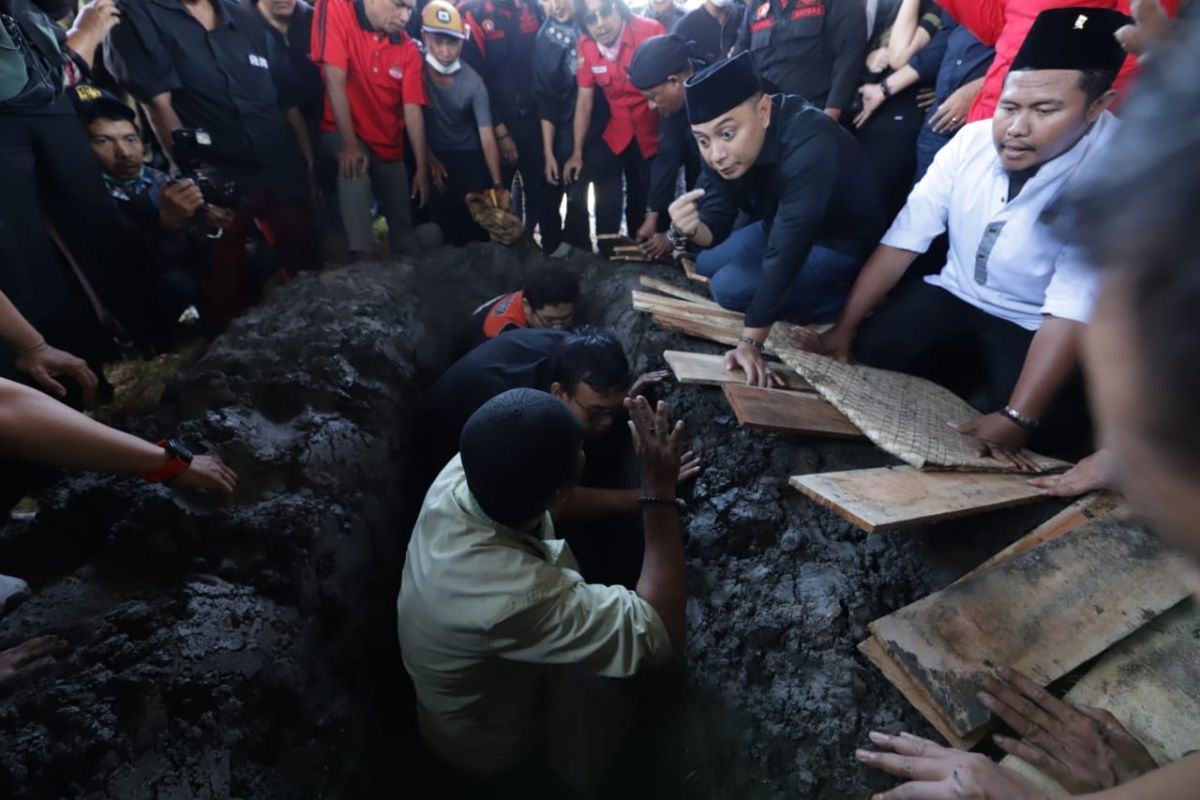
{"points": [[576, 229], [817, 293], [52, 175], [526, 130], [889, 141], [924, 330], [606, 170], [466, 172]]}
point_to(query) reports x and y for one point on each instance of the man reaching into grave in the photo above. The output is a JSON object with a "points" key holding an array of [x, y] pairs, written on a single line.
{"points": [[804, 182], [1001, 323], [1138, 220]]}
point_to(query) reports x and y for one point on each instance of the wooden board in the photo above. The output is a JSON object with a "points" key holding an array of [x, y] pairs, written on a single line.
{"points": [[915, 693], [700, 330], [1149, 683], [1044, 612], [689, 269], [652, 303], [888, 498], [1081, 512], [675, 291], [709, 370], [788, 412]]}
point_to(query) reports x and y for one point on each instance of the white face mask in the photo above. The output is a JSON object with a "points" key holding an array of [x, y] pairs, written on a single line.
{"points": [[722, 3], [439, 68]]}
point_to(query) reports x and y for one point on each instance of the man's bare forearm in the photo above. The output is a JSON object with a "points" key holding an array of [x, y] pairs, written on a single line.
{"points": [[583, 117], [300, 130], [663, 581], [1176, 781], [163, 120], [414, 123], [1052, 358], [339, 104], [491, 153], [587, 502], [882, 271], [15, 329]]}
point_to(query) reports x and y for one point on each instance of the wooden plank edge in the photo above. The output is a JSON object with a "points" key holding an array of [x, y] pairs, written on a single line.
{"points": [[697, 330], [828, 503], [675, 291], [846, 433]]}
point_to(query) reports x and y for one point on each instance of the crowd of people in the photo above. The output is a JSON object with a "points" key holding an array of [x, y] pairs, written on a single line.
{"points": [[929, 177]]}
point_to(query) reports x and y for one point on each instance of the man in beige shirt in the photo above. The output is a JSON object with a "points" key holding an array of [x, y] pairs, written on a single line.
{"points": [[490, 599]]}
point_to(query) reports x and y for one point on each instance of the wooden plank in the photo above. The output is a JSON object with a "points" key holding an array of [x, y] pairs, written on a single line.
{"points": [[652, 303], [1044, 612], [709, 370], [888, 498], [689, 269], [675, 291], [1148, 682], [915, 694], [1081, 512], [788, 412], [699, 330]]}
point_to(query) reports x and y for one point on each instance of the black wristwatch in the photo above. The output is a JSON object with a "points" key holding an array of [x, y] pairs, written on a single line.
{"points": [[677, 239], [176, 450]]}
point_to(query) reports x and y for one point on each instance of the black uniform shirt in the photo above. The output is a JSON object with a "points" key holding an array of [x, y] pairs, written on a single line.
{"points": [[811, 184], [712, 37], [230, 81], [306, 84], [813, 48], [501, 51], [555, 60]]}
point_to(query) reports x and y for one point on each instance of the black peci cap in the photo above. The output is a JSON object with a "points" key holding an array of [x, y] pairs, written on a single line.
{"points": [[657, 59], [716, 89], [1073, 38], [91, 103]]}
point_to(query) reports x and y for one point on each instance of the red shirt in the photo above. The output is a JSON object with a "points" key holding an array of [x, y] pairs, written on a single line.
{"points": [[507, 311], [1003, 24], [381, 76], [631, 114]]}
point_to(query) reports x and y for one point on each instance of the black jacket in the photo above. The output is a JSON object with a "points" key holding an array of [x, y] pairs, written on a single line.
{"points": [[811, 184]]}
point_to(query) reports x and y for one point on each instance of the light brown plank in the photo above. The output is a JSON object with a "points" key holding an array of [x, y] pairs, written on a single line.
{"points": [[915, 693], [675, 291], [788, 412], [888, 498], [1081, 512], [689, 269], [647, 301], [1148, 682], [709, 370], [699, 330], [1044, 612]]}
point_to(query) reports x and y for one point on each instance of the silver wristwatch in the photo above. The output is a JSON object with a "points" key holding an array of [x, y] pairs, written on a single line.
{"points": [[677, 239]]}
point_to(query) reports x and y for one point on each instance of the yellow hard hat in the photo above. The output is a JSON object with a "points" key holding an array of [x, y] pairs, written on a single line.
{"points": [[441, 17]]}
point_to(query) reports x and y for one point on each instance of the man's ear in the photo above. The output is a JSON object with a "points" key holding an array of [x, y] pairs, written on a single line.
{"points": [[526, 309], [558, 391], [764, 110], [1101, 104]]}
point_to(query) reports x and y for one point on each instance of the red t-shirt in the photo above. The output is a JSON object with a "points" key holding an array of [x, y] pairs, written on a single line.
{"points": [[631, 114], [1003, 24], [505, 312], [380, 76]]}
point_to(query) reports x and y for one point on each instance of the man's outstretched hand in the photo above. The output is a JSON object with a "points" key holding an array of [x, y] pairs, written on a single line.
{"points": [[15, 659], [998, 437], [1084, 749], [207, 473], [657, 442], [934, 772], [1091, 474], [44, 363], [646, 380]]}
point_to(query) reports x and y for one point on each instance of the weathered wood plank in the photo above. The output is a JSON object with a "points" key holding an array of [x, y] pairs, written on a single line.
{"points": [[709, 370], [887, 498], [1043, 612], [700, 330], [675, 291], [789, 412], [650, 302]]}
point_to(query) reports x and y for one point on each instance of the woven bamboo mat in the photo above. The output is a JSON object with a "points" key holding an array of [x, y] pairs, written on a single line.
{"points": [[906, 416]]}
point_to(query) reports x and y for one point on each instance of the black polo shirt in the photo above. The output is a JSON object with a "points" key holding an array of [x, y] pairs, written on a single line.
{"points": [[712, 37], [813, 48], [231, 81], [811, 184], [501, 51]]}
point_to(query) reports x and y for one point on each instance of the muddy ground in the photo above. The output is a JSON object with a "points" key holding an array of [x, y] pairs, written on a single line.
{"points": [[251, 652]]}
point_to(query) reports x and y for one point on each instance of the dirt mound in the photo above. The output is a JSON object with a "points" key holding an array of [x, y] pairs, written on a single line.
{"points": [[251, 653]]}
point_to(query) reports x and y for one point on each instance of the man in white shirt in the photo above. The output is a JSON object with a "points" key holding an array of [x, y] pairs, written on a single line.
{"points": [[1002, 320], [491, 600]]}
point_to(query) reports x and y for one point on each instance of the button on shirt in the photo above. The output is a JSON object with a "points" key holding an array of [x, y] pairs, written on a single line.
{"points": [[810, 184], [1003, 260], [484, 609], [383, 73], [813, 48], [632, 116], [230, 81]]}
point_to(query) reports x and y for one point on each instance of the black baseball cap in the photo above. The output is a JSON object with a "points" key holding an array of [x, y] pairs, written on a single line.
{"points": [[92, 102]]}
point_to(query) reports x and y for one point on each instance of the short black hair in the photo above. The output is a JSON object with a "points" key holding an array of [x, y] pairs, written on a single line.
{"points": [[517, 450], [551, 287], [593, 356], [1095, 82], [1138, 217]]}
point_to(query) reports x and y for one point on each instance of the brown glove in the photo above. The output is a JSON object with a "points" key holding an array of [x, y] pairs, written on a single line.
{"points": [[492, 211]]}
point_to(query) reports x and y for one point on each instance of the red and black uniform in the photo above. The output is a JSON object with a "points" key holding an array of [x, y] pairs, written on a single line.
{"points": [[630, 139], [500, 41], [500, 314], [813, 48]]}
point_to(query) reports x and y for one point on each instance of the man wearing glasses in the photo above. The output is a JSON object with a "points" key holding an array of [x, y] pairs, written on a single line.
{"points": [[547, 301]]}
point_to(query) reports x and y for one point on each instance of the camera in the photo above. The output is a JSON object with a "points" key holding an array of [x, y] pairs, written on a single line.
{"points": [[189, 148]]}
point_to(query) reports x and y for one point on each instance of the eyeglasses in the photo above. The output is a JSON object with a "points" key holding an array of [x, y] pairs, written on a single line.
{"points": [[604, 12], [565, 322]]}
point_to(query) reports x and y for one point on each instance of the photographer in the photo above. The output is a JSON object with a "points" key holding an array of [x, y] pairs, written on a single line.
{"points": [[171, 217], [207, 64]]}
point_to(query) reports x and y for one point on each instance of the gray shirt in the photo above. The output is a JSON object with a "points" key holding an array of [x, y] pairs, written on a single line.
{"points": [[456, 112]]}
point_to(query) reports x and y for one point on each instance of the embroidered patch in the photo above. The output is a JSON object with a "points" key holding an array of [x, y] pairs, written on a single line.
{"points": [[599, 70], [396, 71], [258, 61]]}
